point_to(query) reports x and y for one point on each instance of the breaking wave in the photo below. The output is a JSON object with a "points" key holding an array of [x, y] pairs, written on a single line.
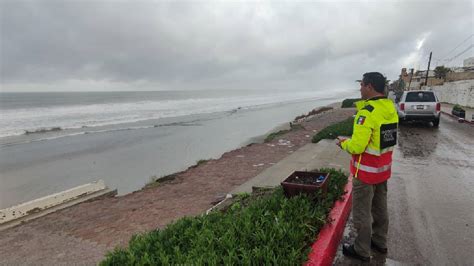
{"points": [[56, 119]]}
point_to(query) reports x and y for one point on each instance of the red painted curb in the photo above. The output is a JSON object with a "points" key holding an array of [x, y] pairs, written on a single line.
{"points": [[457, 118], [324, 249]]}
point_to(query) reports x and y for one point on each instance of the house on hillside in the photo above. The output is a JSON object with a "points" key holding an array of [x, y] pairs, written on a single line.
{"points": [[415, 81]]}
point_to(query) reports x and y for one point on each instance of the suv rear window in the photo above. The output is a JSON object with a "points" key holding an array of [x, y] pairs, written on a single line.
{"points": [[420, 96]]}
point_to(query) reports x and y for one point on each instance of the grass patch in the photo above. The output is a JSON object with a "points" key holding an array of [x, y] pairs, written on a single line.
{"points": [[156, 181], [343, 128], [269, 229], [202, 161], [275, 135], [314, 112], [348, 103]]}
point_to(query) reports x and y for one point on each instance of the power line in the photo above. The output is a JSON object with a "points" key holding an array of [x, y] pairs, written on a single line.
{"points": [[470, 36], [458, 55]]}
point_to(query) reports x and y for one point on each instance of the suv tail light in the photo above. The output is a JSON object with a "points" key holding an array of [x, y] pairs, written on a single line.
{"points": [[402, 106], [438, 107]]}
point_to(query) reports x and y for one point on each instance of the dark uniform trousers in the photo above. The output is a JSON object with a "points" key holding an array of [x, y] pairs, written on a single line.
{"points": [[370, 215]]}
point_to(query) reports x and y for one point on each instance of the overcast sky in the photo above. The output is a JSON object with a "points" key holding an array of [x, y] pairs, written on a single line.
{"points": [[87, 45]]}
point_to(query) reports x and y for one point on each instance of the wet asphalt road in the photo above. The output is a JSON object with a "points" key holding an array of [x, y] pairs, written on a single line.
{"points": [[431, 198]]}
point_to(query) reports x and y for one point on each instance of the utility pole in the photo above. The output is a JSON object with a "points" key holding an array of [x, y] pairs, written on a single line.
{"points": [[428, 71], [411, 76]]}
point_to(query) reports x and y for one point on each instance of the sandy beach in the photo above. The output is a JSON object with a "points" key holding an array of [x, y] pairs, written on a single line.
{"points": [[83, 233]]}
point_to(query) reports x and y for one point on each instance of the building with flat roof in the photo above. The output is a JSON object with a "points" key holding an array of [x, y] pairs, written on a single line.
{"points": [[468, 62]]}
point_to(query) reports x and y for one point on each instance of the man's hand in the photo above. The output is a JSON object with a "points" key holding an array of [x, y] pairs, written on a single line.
{"points": [[340, 140]]}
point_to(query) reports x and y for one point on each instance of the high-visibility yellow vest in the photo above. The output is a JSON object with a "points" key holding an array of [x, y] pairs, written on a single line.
{"points": [[373, 139]]}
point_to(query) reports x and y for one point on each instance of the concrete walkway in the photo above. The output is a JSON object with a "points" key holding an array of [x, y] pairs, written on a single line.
{"points": [[309, 157]]}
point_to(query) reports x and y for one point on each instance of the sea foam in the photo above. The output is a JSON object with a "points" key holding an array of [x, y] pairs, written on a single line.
{"points": [[38, 120]]}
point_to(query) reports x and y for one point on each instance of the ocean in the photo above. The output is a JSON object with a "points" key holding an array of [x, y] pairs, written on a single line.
{"points": [[30, 113], [53, 141]]}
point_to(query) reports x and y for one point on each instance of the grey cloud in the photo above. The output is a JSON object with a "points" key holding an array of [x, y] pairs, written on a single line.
{"points": [[216, 44]]}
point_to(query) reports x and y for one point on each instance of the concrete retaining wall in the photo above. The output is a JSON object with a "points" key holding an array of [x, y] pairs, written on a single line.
{"points": [[458, 92], [457, 76], [18, 214]]}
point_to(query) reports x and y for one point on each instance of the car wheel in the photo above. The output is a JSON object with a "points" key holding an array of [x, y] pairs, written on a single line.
{"points": [[436, 122]]}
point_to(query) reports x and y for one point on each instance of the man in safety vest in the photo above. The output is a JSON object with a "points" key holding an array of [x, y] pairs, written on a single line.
{"points": [[373, 139]]}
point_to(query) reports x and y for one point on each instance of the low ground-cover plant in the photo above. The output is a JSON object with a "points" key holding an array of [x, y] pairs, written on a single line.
{"points": [[348, 103], [268, 229], [343, 128]]}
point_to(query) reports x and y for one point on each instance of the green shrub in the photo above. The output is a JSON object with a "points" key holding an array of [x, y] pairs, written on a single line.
{"points": [[458, 108], [348, 103], [343, 128], [269, 229]]}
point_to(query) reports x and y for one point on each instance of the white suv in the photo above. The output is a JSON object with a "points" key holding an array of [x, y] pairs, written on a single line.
{"points": [[419, 105]]}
